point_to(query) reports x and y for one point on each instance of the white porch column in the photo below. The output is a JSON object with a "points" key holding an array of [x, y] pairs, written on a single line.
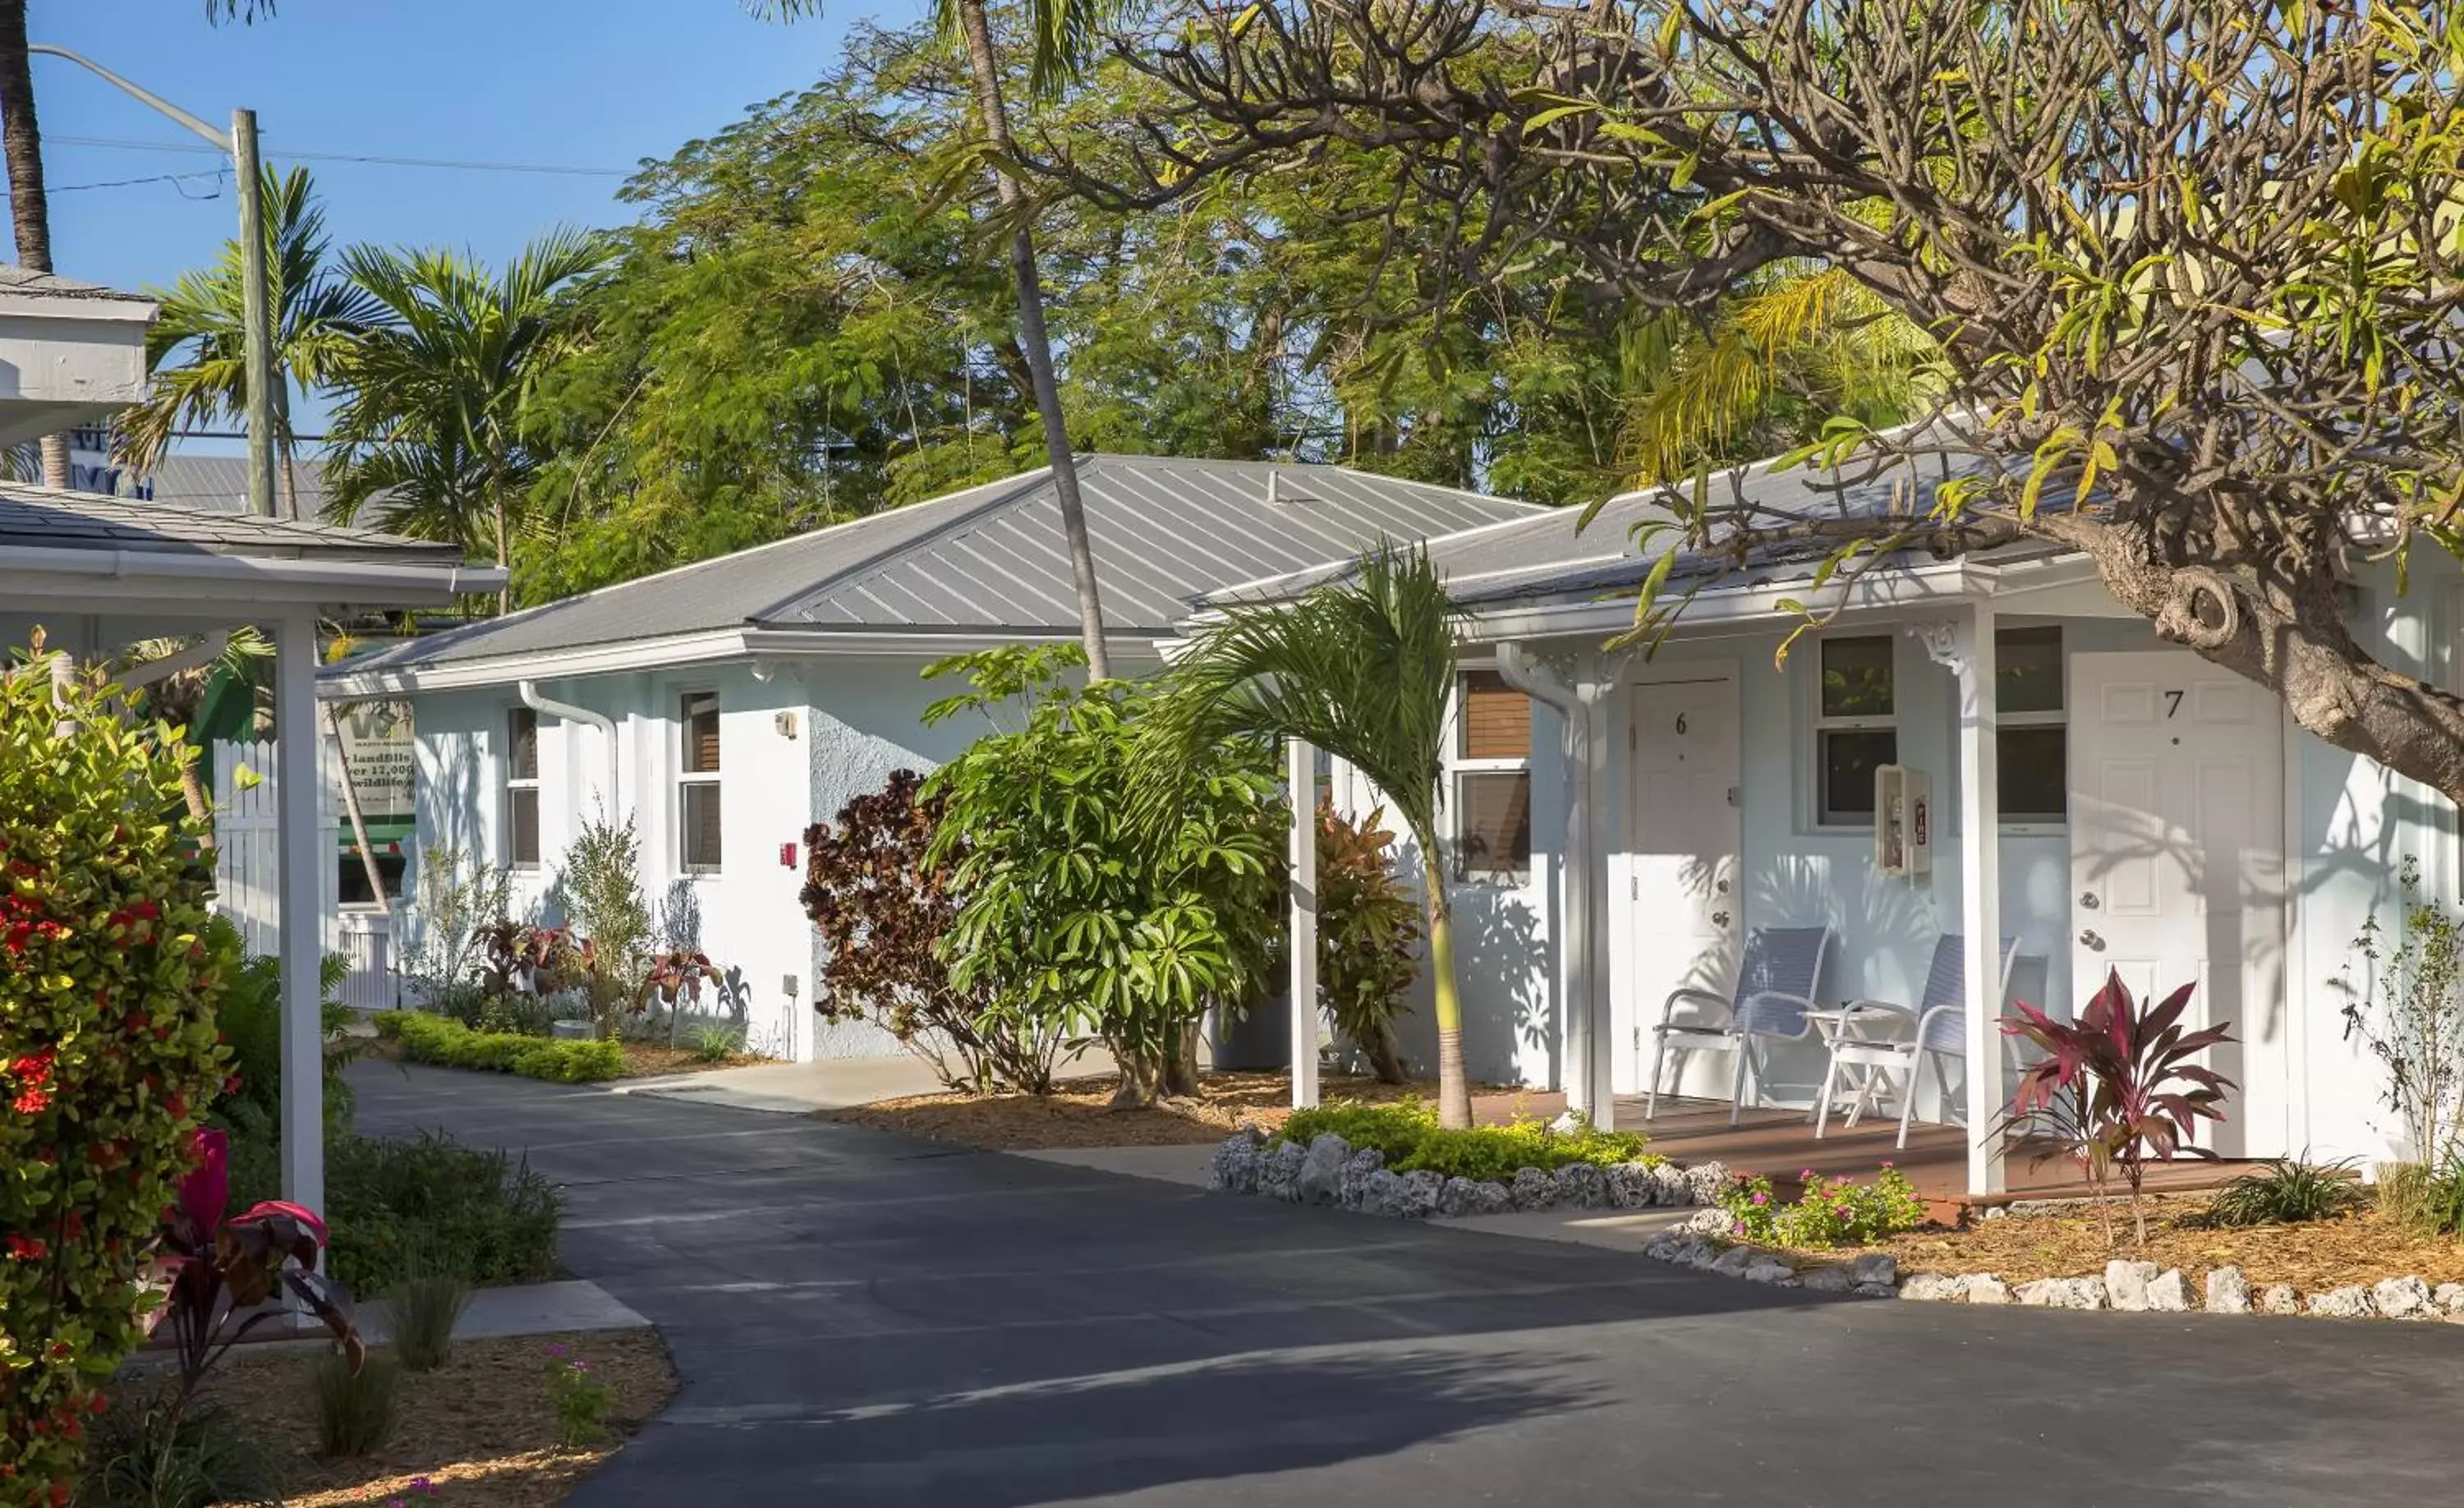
{"points": [[1980, 870], [298, 785], [1301, 776]]}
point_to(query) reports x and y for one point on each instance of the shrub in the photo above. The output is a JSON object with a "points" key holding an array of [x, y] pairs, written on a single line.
{"points": [[1369, 936], [716, 1044], [2116, 1088], [107, 1048], [428, 1207], [2286, 1191], [1828, 1213], [581, 1400], [450, 906], [1086, 912], [424, 1308], [882, 903], [435, 1039], [2409, 1014], [602, 890], [1408, 1135], [355, 1404]]}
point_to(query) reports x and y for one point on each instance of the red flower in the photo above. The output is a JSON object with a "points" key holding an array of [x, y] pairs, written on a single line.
{"points": [[33, 1102], [26, 1248]]}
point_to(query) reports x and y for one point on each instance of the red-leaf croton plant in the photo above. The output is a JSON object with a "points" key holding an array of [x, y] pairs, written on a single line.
{"points": [[108, 1053]]}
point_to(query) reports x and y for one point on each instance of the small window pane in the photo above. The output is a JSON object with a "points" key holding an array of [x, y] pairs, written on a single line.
{"points": [[524, 756], [701, 734], [523, 818], [2028, 669], [701, 825], [354, 889], [1493, 825], [1496, 721], [1849, 759], [2033, 763], [1856, 679]]}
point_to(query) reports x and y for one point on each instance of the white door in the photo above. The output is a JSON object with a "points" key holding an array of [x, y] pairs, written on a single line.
{"points": [[2176, 825], [1682, 895]]}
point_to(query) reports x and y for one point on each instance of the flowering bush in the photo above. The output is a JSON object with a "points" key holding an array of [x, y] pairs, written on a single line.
{"points": [[108, 1053], [1830, 1212], [581, 1400], [1407, 1132]]}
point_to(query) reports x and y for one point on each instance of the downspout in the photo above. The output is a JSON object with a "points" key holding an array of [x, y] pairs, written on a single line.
{"points": [[607, 726], [1523, 671]]}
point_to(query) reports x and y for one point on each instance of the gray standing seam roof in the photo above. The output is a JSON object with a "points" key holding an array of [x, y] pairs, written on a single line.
{"points": [[991, 559], [219, 484], [36, 517]]}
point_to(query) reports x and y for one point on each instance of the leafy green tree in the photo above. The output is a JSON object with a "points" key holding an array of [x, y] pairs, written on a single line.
{"points": [[430, 435], [1363, 669], [197, 347], [1070, 911]]}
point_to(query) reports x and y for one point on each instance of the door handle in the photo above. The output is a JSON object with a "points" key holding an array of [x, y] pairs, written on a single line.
{"points": [[2087, 901], [1719, 918], [2089, 939]]}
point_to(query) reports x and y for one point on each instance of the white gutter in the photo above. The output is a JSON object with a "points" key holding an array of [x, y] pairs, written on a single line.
{"points": [[607, 726], [120, 564], [1588, 1085]]}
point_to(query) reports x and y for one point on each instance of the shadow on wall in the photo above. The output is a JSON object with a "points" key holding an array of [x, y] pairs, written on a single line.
{"points": [[1502, 966]]}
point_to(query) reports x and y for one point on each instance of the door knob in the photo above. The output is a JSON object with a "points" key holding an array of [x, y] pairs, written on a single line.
{"points": [[1722, 888], [1719, 918], [2091, 940], [2087, 900]]}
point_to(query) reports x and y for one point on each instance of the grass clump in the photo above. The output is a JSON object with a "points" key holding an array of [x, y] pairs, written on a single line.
{"points": [[1407, 1132], [2284, 1190], [356, 1407], [424, 1308]]}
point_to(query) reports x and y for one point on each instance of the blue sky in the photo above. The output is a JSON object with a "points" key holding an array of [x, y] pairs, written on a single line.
{"points": [[581, 83]]}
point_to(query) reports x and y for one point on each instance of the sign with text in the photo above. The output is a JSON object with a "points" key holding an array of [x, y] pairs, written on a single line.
{"points": [[376, 749]]}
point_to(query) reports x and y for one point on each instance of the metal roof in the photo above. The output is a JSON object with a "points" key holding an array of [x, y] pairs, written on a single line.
{"points": [[991, 559], [39, 518], [218, 484], [1548, 556], [51, 285]]}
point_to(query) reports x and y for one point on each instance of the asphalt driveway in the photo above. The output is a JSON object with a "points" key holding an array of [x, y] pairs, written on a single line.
{"points": [[865, 1319]]}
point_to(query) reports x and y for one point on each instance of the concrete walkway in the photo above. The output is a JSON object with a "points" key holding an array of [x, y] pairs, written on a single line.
{"points": [[829, 1083], [863, 1317], [554, 1309]]}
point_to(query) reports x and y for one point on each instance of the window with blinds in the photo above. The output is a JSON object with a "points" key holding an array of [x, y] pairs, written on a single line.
{"points": [[697, 785], [1495, 721], [1489, 784], [521, 788]]}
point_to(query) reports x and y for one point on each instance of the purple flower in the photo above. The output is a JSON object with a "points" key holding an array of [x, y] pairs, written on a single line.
{"points": [[1762, 1199], [556, 1350], [421, 1484]]}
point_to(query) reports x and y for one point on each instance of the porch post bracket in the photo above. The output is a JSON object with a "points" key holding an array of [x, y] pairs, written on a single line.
{"points": [[1942, 645]]}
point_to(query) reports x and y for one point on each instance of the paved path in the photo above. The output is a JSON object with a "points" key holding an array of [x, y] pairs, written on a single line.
{"points": [[864, 1319]]}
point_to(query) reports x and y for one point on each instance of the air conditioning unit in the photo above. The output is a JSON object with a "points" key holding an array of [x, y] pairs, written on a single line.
{"points": [[1903, 821]]}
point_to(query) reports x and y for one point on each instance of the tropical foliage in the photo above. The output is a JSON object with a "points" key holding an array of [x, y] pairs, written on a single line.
{"points": [[2117, 1088], [1408, 1135], [108, 1056], [1369, 936], [1827, 1211], [1361, 668], [435, 1040], [1071, 913]]}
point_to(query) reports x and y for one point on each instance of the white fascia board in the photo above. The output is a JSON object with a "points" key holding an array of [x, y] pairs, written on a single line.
{"points": [[828, 642], [547, 664], [158, 575]]}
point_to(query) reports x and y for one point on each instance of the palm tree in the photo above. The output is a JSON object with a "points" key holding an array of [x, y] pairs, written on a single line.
{"points": [[1362, 668], [178, 697], [429, 434], [1065, 32], [21, 137], [197, 347]]}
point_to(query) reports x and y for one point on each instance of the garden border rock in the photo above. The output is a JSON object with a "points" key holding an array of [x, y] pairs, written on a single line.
{"points": [[1329, 1171]]}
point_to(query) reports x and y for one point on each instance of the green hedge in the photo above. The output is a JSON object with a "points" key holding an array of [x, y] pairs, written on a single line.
{"points": [[438, 1040], [429, 1206], [1408, 1133]]}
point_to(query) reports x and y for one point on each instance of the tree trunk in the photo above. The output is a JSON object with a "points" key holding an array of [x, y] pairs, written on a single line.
{"points": [[1384, 1061], [1453, 1087], [504, 555], [192, 791], [29, 209], [1180, 1073], [284, 447], [351, 806], [1032, 337], [1142, 1076]]}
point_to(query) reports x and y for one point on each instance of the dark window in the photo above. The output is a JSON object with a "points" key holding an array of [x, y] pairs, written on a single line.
{"points": [[697, 785], [2034, 768], [1856, 677], [2028, 670], [1850, 756], [1493, 824], [521, 788]]}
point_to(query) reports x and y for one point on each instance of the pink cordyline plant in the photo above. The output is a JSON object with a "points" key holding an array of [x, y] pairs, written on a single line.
{"points": [[2116, 1088]]}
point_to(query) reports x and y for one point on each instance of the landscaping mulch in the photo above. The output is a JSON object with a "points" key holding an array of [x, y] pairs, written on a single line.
{"points": [[1079, 1113], [657, 1059], [2313, 1256], [481, 1430]]}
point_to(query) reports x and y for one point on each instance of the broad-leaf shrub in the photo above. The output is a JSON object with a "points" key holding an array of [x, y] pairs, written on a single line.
{"points": [[1830, 1211], [427, 1205], [881, 903], [1412, 1141], [1369, 936], [435, 1040], [107, 1050]]}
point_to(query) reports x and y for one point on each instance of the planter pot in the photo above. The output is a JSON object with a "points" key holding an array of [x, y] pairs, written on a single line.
{"points": [[1260, 1041], [571, 1031]]}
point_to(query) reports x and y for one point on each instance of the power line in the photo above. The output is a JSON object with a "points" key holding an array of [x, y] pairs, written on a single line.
{"points": [[272, 152], [174, 179]]}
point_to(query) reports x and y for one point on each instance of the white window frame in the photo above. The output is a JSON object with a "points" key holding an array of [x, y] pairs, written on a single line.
{"points": [[688, 777], [2059, 717], [1824, 725], [1455, 764], [517, 784]]}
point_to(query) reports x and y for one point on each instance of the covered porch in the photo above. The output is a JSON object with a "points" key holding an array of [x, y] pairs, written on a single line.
{"points": [[99, 574]]}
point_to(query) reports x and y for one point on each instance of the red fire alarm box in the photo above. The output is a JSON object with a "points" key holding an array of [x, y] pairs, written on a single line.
{"points": [[786, 856]]}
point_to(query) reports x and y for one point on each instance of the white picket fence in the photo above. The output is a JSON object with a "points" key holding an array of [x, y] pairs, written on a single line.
{"points": [[248, 869]]}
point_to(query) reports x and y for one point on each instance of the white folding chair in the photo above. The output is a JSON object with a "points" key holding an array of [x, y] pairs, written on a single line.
{"points": [[1774, 1002], [1938, 1030]]}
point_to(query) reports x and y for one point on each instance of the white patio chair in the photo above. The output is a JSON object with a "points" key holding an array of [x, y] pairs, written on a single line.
{"points": [[1774, 1002], [1938, 1030]]}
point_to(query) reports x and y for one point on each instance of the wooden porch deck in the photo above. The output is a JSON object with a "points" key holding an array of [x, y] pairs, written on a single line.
{"points": [[1779, 1144]]}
